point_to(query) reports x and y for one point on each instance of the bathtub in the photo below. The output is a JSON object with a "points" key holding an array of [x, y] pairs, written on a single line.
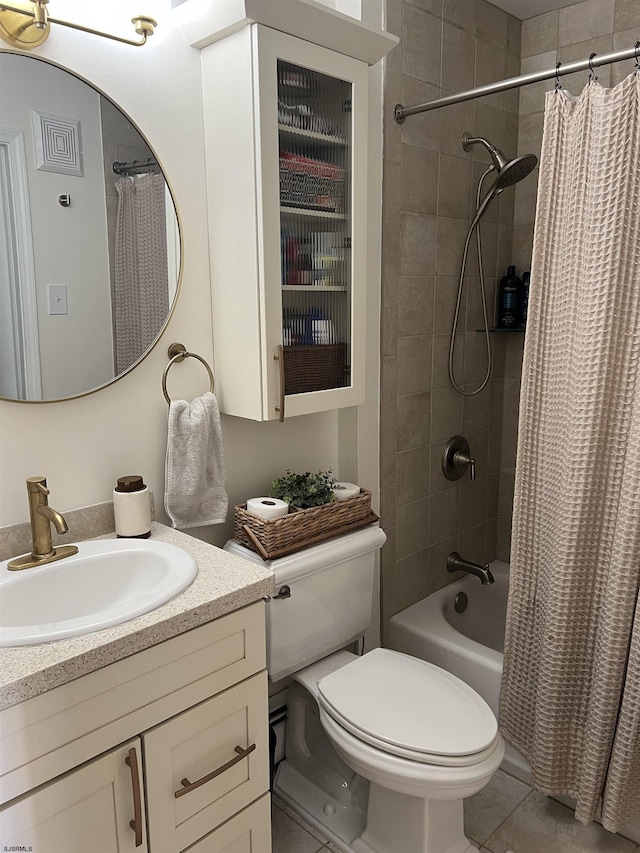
{"points": [[469, 644]]}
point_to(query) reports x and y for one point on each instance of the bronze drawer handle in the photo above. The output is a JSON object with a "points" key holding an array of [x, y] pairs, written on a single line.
{"points": [[191, 786], [136, 823]]}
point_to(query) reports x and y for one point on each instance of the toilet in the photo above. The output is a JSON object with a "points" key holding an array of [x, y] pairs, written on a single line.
{"points": [[381, 748]]}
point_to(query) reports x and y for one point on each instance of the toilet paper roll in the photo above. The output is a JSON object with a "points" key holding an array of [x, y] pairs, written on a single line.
{"points": [[267, 507], [342, 491]]}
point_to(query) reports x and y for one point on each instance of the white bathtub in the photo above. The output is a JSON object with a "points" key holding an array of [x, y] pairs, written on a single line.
{"points": [[468, 644]]}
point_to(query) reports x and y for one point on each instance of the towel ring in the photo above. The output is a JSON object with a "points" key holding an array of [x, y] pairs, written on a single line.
{"points": [[177, 353]]}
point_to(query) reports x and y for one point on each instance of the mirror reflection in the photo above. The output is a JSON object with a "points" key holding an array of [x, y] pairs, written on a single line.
{"points": [[89, 254]]}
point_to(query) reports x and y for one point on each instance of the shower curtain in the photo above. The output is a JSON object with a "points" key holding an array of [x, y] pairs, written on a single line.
{"points": [[141, 273], [571, 685]]}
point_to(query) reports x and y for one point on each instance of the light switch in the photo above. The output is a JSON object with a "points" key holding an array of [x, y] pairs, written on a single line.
{"points": [[57, 294]]}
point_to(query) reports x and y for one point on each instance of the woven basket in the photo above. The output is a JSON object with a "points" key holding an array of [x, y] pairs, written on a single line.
{"points": [[301, 528], [314, 367]]}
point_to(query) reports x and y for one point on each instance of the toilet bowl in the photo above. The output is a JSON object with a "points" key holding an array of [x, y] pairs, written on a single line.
{"points": [[382, 748]]}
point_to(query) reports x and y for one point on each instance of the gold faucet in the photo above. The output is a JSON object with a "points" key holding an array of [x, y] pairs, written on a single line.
{"points": [[42, 517]]}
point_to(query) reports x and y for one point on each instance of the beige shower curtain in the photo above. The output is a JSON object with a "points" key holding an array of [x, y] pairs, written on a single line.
{"points": [[141, 272], [571, 685]]}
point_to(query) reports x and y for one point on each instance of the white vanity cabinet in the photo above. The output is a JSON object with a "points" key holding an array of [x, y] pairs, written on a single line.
{"points": [[163, 751], [286, 161]]}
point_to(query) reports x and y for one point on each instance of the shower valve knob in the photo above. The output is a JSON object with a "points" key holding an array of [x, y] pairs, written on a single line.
{"points": [[456, 458]]}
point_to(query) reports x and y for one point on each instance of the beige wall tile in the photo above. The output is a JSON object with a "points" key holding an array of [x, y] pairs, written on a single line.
{"points": [[412, 528], [458, 59], [454, 187], [461, 13], [415, 305], [622, 40], [626, 15], [584, 21], [540, 34], [414, 364], [419, 181], [491, 66], [414, 420], [422, 129], [446, 413], [532, 95], [421, 44], [413, 475], [443, 514], [491, 24], [417, 244]]}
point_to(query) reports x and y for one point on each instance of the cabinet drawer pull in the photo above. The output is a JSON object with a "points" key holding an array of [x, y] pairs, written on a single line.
{"points": [[280, 359], [136, 823], [191, 786]]}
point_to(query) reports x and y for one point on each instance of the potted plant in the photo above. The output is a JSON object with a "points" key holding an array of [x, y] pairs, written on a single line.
{"points": [[304, 490]]}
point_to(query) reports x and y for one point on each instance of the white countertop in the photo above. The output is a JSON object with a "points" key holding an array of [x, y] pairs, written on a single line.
{"points": [[224, 583]]}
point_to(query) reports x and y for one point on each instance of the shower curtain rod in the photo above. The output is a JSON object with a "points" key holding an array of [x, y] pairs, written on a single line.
{"points": [[400, 112]]}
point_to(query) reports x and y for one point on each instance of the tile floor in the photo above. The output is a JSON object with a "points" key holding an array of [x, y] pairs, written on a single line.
{"points": [[506, 817]]}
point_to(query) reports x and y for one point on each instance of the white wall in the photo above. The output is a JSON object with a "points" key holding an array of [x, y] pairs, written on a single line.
{"points": [[83, 445]]}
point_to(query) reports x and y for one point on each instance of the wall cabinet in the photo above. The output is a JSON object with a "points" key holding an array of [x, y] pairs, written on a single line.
{"points": [[286, 153], [195, 775]]}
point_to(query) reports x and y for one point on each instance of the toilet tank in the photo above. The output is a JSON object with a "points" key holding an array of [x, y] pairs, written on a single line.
{"points": [[331, 599]]}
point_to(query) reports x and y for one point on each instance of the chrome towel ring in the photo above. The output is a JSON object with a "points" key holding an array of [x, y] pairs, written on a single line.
{"points": [[177, 353]]}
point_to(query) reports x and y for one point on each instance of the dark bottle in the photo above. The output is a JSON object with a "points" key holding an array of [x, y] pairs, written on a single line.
{"points": [[508, 298], [524, 298]]}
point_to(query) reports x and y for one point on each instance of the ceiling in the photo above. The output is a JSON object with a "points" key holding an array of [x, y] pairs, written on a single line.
{"points": [[524, 9]]}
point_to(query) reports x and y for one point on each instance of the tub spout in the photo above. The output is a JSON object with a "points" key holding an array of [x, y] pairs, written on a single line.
{"points": [[455, 563]]}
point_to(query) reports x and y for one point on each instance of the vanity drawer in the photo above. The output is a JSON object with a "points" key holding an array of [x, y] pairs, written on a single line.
{"points": [[247, 832], [206, 764]]}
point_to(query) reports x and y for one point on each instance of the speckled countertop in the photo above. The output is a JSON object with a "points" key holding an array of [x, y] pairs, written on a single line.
{"points": [[224, 583]]}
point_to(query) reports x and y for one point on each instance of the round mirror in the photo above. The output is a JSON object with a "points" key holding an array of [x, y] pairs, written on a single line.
{"points": [[89, 236]]}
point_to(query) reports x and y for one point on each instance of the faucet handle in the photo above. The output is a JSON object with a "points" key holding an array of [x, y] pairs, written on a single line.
{"points": [[456, 457], [37, 484]]}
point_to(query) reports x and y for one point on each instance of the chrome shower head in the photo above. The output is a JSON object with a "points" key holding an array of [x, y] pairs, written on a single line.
{"points": [[509, 171], [515, 170]]}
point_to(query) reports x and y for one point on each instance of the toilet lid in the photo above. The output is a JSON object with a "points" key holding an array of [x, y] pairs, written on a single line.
{"points": [[407, 706]]}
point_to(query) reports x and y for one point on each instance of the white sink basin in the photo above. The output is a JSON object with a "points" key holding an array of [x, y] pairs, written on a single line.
{"points": [[107, 582]]}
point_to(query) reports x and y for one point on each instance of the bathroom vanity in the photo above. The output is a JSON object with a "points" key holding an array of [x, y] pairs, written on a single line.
{"points": [[148, 736]]}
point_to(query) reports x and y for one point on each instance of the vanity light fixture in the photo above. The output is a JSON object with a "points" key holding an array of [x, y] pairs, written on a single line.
{"points": [[26, 24]]}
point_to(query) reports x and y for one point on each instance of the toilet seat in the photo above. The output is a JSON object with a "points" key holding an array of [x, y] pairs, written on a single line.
{"points": [[410, 708]]}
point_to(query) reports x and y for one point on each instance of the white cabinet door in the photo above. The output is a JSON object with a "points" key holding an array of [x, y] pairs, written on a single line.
{"points": [[286, 147], [89, 809], [206, 764], [247, 832]]}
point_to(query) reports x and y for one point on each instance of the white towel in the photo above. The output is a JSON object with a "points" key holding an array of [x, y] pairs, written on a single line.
{"points": [[195, 491]]}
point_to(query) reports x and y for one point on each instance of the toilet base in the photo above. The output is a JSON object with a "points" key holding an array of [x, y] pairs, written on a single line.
{"points": [[398, 823], [394, 823]]}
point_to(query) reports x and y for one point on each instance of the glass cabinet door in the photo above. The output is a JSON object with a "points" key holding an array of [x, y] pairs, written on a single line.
{"points": [[315, 147]]}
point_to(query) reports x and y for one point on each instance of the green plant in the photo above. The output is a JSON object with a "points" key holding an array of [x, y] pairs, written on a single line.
{"points": [[304, 490]]}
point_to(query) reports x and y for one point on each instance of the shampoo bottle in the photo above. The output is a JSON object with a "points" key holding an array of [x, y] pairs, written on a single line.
{"points": [[524, 300], [508, 298], [132, 508]]}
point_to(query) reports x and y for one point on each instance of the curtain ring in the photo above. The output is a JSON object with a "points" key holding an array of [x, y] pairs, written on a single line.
{"points": [[557, 84], [637, 47], [592, 74]]}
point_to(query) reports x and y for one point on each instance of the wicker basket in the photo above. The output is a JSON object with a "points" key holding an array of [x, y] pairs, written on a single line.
{"points": [[315, 367], [301, 528]]}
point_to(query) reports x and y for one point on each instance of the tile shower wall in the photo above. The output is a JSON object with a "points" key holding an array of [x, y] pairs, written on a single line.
{"points": [[429, 198], [566, 35]]}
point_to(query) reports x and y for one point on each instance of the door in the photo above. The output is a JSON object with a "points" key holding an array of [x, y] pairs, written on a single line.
{"points": [[89, 809]]}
